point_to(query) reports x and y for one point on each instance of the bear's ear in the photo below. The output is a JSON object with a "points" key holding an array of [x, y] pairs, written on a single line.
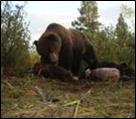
{"points": [[35, 42]]}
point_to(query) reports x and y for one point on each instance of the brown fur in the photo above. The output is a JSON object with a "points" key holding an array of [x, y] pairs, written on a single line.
{"points": [[65, 47]]}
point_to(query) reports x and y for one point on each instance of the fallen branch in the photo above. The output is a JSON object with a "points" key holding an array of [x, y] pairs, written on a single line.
{"points": [[40, 92]]}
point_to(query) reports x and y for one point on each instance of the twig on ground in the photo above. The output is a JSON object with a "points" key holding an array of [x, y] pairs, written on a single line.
{"points": [[77, 102], [41, 93], [10, 86]]}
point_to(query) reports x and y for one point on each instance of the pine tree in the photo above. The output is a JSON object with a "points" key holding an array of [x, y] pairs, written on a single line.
{"points": [[88, 18], [121, 28], [123, 39]]}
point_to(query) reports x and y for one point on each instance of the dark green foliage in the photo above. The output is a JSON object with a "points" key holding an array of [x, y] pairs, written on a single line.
{"points": [[123, 39], [88, 18], [14, 37], [111, 44]]}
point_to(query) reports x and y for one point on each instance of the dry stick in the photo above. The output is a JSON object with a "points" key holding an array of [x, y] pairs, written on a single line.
{"points": [[39, 72], [40, 92], [76, 109], [10, 86], [28, 81], [86, 94], [77, 102]]}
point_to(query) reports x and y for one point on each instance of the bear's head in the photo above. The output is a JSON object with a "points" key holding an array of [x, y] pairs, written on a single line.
{"points": [[48, 46]]}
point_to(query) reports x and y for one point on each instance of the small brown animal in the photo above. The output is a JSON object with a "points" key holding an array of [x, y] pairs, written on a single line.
{"points": [[52, 71], [58, 72]]}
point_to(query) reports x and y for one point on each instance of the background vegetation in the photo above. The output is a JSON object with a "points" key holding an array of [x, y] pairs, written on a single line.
{"points": [[111, 43], [33, 96]]}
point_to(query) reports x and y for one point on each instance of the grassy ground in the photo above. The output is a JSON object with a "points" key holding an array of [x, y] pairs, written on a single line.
{"points": [[39, 97]]}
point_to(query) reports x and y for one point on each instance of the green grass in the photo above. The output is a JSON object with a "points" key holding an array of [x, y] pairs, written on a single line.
{"points": [[19, 98]]}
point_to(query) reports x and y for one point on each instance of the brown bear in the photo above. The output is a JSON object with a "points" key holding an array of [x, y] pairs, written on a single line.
{"points": [[65, 48]]}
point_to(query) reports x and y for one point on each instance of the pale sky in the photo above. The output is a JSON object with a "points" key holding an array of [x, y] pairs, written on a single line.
{"points": [[42, 13]]}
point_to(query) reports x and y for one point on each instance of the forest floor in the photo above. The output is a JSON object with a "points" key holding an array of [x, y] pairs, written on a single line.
{"points": [[39, 97]]}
